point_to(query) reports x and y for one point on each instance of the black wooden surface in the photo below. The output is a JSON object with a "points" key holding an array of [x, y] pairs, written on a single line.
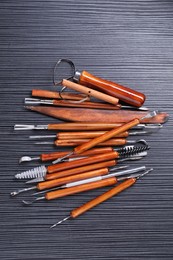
{"points": [[130, 42]]}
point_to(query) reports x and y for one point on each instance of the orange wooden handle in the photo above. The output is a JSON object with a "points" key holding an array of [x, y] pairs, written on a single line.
{"points": [[56, 155], [90, 92], [55, 175], [81, 162], [77, 177], [77, 189], [83, 126], [52, 94], [81, 148], [75, 142], [105, 196], [85, 135], [125, 94], [65, 103]]}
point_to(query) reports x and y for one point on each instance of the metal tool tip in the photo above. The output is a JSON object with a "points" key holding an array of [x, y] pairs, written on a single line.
{"points": [[59, 222], [26, 202], [13, 193]]}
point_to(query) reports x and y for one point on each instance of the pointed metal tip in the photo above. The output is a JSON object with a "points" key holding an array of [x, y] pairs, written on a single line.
{"points": [[146, 172], [59, 222], [62, 158]]}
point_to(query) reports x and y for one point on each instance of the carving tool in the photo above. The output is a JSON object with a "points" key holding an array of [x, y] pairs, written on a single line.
{"points": [[75, 142], [125, 94], [131, 180], [69, 181], [90, 164], [85, 135], [82, 126], [97, 115], [55, 95], [93, 183], [108, 135], [84, 104], [55, 155]]}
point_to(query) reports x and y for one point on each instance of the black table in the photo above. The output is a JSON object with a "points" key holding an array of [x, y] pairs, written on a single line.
{"points": [[129, 42]]}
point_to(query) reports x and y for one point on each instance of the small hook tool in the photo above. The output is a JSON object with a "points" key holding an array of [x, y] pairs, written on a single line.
{"points": [[131, 180]]}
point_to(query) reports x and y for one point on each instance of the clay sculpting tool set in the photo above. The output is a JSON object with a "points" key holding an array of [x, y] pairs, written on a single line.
{"points": [[98, 116]]}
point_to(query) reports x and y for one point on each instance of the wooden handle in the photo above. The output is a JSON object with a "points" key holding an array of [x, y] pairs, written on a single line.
{"points": [[125, 94], [75, 142], [77, 177], [52, 94], [55, 175], [105, 196], [64, 103], [81, 148], [81, 162], [85, 135], [77, 189], [90, 92], [55, 155], [82, 126], [97, 115]]}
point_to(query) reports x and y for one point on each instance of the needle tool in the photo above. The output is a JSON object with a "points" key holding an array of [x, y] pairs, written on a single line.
{"points": [[86, 185], [103, 197]]}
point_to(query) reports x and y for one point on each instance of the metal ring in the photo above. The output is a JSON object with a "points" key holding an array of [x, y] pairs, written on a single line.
{"points": [[56, 65]]}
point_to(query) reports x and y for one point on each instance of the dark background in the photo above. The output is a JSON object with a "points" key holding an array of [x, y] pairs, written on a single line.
{"points": [[130, 42]]}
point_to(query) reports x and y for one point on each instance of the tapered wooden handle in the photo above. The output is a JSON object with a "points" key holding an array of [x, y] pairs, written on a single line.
{"points": [[125, 94], [75, 142], [77, 177], [105, 196], [98, 115], [112, 133], [78, 170], [87, 104], [90, 92], [83, 126], [55, 155], [81, 162], [52, 94], [85, 135], [77, 189]]}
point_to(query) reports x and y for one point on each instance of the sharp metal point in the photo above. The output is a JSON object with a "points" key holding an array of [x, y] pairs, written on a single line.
{"points": [[59, 222]]}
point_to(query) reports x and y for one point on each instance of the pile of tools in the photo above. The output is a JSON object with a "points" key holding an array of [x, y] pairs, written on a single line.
{"points": [[95, 130]]}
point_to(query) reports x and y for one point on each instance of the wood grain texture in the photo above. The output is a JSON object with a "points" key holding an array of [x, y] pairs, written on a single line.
{"points": [[129, 42]]}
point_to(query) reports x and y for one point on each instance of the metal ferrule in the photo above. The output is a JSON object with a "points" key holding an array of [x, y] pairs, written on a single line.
{"points": [[76, 76]]}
